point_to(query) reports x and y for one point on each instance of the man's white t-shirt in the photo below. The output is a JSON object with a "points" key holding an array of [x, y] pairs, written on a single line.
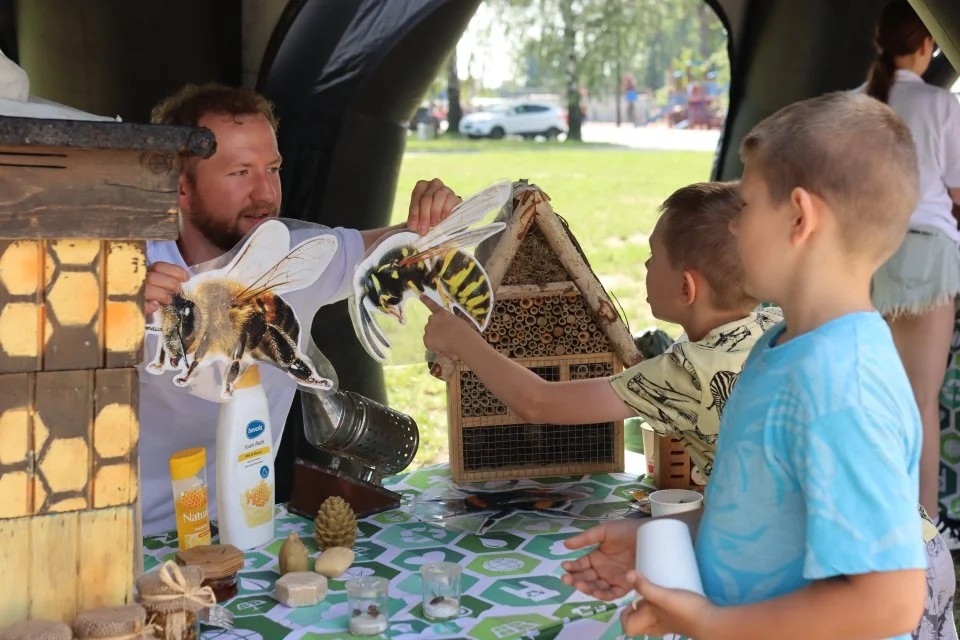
{"points": [[933, 116], [172, 418]]}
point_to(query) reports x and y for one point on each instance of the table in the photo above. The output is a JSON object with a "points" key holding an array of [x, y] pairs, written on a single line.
{"points": [[511, 581]]}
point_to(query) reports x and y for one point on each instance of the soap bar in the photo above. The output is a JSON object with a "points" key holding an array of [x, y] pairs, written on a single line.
{"points": [[334, 562], [301, 589]]}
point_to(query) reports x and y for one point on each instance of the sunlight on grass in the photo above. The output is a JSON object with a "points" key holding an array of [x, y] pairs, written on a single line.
{"points": [[607, 195]]}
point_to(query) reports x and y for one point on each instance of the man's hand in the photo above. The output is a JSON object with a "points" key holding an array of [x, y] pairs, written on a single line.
{"points": [[431, 202], [603, 573], [163, 280], [444, 331], [662, 611]]}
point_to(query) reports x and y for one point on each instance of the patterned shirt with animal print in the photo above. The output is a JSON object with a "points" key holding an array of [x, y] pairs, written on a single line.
{"points": [[683, 391]]}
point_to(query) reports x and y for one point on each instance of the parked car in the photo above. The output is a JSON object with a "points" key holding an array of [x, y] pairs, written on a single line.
{"points": [[427, 115], [527, 119]]}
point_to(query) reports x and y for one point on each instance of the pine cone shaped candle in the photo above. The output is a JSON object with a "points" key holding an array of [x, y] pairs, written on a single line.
{"points": [[335, 524]]}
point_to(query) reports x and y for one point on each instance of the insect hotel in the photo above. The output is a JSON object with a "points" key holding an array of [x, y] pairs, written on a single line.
{"points": [[552, 315], [78, 200]]}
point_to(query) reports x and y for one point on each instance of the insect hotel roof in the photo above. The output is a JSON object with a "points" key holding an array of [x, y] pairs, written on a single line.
{"points": [[551, 314], [78, 201]]}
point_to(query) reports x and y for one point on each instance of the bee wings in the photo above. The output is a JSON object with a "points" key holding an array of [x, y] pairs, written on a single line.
{"points": [[262, 265]]}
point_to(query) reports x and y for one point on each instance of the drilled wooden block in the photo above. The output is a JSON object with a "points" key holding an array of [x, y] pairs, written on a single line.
{"points": [[62, 440], [21, 311], [16, 445], [124, 321], [72, 303]]}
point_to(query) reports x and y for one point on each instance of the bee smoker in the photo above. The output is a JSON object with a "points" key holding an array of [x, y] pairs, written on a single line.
{"points": [[357, 442]]}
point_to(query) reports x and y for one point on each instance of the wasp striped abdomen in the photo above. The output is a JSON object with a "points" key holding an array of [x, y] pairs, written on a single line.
{"points": [[466, 284]]}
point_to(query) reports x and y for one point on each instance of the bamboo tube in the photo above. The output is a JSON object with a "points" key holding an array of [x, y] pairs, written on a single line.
{"points": [[557, 332]]}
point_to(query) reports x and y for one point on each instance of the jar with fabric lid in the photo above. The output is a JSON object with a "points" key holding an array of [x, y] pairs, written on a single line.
{"points": [[113, 623], [221, 564], [172, 598]]}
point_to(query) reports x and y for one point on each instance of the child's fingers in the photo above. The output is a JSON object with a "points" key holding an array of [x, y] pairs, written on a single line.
{"points": [[430, 304], [588, 538]]}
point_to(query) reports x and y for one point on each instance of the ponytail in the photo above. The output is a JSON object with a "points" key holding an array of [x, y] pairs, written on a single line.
{"points": [[881, 75]]}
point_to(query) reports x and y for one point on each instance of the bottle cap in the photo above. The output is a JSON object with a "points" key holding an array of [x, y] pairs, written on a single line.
{"points": [[250, 378], [187, 463]]}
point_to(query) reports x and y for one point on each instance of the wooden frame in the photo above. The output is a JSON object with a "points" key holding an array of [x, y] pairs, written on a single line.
{"points": [[78, 201], [562, 329]]}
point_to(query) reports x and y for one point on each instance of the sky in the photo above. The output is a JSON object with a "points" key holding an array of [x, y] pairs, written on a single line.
{"points": [[492, 62]]}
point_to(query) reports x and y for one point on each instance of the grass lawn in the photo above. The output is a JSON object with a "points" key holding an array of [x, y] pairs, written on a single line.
{"points": [[608, 195]]}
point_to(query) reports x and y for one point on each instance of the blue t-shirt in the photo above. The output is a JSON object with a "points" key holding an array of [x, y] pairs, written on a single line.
{"points": [[816, 473]]}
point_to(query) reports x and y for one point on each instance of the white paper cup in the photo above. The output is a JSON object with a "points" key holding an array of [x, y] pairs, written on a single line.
{"points": [[649, 447], [665, 555], [670, 501]]}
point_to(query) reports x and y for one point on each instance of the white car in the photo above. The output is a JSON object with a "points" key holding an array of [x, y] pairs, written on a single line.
{"points": [[527, 119]]}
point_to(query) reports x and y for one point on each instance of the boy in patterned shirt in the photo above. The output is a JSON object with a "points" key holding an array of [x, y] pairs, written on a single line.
{"points": [[694, 280], [809, 527]]}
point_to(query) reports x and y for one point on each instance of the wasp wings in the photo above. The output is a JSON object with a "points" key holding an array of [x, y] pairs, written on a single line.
{"points": [[453, 232]]}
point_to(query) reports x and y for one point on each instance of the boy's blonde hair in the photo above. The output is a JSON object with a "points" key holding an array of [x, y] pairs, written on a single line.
{"points": [[695, 226], [852, 151]]}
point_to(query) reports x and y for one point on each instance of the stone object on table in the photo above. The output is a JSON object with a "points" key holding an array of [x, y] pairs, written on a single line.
{"points": [[301, 589], [293, 556], [334, 562], [335, 524], [37, 630], [110, 622]]}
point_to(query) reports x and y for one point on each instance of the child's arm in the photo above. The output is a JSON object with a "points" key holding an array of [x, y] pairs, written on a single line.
{"points": [[872, 605], [528, 395]]}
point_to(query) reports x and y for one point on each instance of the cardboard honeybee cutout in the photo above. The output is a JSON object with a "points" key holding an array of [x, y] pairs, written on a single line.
{"points": [[406, 264], [236, 314]]}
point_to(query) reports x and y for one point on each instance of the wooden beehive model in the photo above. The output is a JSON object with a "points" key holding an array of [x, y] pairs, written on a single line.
{"points": [[551, 315], [78, 201]]}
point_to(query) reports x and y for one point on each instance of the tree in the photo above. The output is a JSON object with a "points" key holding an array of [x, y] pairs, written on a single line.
{"points": [[454, 110]]}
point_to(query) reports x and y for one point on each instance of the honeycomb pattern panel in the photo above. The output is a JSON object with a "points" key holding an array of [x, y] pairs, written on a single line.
{"points": [[126, 271], [62, 441], [21, 305], [16, 445], [116, 432], [72, 304]]}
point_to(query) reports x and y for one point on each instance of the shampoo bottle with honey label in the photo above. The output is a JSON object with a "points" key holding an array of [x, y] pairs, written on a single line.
{"points": [[188, 471], [245, 476]]}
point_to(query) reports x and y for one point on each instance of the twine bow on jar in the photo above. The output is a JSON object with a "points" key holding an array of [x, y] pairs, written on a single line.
{"points": [[173, 578]]}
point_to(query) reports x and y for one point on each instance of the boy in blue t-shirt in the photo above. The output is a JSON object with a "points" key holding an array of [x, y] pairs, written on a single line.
{"points": [[809, 527]]}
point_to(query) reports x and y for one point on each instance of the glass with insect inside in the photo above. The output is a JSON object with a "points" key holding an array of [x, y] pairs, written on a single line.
{"points": [[367, 598], [441, 590]]}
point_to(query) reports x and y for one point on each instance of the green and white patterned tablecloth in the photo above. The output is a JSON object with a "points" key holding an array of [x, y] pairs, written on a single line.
{"points": [[511, 581]]}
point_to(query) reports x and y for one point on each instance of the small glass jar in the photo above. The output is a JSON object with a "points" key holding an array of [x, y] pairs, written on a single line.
{"points": [[441, 590], [368, 600], [221, 564]]}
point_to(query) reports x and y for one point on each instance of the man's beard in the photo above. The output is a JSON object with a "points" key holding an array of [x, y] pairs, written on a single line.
{"points": [[225, 235]]}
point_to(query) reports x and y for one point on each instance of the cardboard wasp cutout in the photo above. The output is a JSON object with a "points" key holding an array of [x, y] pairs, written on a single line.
{"points": [[235, 314], [406, 264]]}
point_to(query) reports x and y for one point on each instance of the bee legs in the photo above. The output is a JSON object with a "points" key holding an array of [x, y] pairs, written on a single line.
{"points": [[236, 367], [198, 355], [283, 350]]}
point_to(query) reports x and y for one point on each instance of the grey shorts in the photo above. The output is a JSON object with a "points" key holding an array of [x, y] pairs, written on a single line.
{"points": [[924, 273], [937, 622]]}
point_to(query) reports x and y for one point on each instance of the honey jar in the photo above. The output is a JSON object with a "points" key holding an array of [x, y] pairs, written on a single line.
{"points": [[221, 564]]}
